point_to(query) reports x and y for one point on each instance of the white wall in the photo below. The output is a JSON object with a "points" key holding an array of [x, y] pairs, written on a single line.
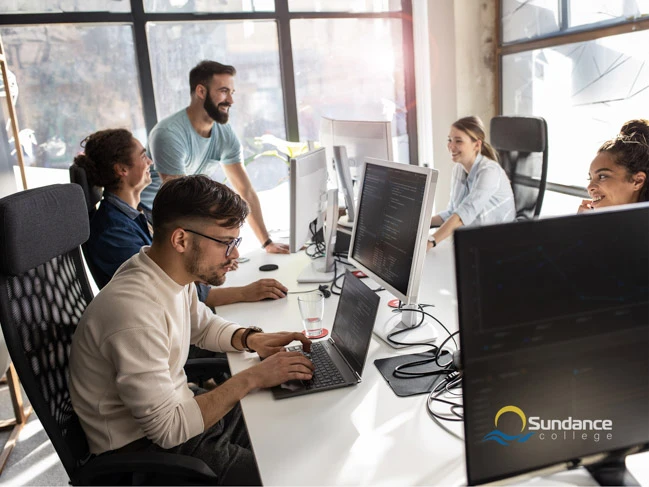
{"points": [[475, 41], [441, 29], [460, 58]]}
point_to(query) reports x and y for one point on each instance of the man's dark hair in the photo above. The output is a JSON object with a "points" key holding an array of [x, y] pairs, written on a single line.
{"points": [[196, 197], [202, 73]]}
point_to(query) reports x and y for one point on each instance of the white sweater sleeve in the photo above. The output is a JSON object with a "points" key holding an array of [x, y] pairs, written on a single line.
{"points": [[210, 331], [141, 358]]}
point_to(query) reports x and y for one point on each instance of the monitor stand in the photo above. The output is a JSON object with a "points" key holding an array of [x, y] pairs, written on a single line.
{"points": [[612, 473], [315, 272], [425, 333], [323, 270]]}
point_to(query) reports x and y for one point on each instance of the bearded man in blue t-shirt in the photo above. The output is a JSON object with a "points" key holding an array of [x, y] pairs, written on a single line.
{"points": [[195, 139]]}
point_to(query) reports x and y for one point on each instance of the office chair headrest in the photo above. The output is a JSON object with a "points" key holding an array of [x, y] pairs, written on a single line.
{"points": [[54, 214], [521, 134], [92, 193]]}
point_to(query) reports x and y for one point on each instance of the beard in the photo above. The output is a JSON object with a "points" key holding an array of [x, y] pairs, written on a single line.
{"points": [[213, 111], [214, 275]]}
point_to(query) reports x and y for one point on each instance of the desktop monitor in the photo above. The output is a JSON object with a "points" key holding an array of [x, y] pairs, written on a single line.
{"points": [[390, 235], [554, 329], [308, 188], [312, 207], [360, 138], [345, 183]]}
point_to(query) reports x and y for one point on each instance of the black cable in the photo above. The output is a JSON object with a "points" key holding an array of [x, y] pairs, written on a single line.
{"points": [[317, 254], [304, 292], [434, 396], [334, 283], [447, 368], [400, 370], [424, 313], [320, 248]]}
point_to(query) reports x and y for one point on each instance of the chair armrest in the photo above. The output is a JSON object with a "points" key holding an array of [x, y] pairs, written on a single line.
{"points": [[173, 468], [202, 369]]}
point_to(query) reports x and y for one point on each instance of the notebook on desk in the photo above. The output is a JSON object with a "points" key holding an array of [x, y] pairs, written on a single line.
{"points": [[339, 360]]}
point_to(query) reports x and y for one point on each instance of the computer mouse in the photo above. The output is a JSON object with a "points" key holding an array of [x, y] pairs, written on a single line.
{"points": [[268, 267]]}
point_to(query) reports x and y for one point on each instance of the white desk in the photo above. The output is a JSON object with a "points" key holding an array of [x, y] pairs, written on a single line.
{"points": [[362, 434], [356, 435]]}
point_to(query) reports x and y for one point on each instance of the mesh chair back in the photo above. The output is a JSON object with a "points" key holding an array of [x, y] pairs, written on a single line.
{"points": [[43, 293], [522, 145]]}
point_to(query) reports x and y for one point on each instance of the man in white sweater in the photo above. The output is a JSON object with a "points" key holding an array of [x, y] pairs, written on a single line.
{"points": [[127, 381]]}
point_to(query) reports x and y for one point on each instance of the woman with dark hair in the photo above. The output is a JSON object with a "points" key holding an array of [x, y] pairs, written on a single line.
{"points": [[115, 160], [480, 193], [636, 126], [618, 174]]}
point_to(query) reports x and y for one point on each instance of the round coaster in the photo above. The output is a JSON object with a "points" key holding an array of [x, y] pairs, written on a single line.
{"points": [[324, 333], [393, 303]]}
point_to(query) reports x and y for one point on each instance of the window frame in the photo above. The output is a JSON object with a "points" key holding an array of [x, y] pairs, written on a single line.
{"points": [[138, 20], [565, 35]]}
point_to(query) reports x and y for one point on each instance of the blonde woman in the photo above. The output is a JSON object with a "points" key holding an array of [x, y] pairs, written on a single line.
{"points": [[480, 193]]}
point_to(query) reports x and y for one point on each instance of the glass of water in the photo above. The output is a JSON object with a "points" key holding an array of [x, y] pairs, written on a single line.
{"points": [[311, 309]]}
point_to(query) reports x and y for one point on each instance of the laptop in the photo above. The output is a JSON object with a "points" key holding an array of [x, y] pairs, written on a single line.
{"points": [[340, 359]]}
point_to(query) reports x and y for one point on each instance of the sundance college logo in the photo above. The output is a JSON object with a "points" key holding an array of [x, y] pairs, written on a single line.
{"points": [[552, 429]]}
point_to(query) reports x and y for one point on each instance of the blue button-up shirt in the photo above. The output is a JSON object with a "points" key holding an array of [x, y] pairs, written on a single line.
{"points": [[117, 232], [483, 196]]}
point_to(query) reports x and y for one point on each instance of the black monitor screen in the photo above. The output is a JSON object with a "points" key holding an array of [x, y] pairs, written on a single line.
{"points": [[354, 322], [554, 324], [388, 221]]}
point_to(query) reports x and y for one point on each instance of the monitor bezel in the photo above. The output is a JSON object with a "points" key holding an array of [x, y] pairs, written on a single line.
{"points": [[345, 179], [591, 460], [423, 227], [334, 131], [294, 244]]}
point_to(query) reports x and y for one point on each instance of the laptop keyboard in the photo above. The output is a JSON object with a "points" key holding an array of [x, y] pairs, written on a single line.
{"points": [[326, 373]]}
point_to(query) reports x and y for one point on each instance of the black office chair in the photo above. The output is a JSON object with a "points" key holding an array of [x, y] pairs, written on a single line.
{"points": [[43, 293], [522, 145], [92, 196]]}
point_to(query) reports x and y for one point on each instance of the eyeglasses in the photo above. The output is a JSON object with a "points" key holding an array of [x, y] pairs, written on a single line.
{"points": [[231, 245]]}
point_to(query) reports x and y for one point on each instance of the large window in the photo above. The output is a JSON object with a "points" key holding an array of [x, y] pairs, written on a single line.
{"points": [[70, 81], [532, 18], [585, 89], [350, 69], [202, 6], [252, 47], [61, 6], [86, 65], [344, 5]]}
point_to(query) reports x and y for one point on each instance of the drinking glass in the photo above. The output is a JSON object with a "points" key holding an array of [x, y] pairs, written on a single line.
{"points": [[311, 308]]}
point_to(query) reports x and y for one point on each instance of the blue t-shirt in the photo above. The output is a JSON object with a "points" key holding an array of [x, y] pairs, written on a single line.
{"points": [[177, 149]]}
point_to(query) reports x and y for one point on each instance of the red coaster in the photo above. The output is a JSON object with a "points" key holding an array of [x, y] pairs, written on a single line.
{"points": [[393, 303], [324, 333]]}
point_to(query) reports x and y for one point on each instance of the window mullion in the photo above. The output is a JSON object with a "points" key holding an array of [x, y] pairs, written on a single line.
{"points": [[144, 64], [287, 70]]}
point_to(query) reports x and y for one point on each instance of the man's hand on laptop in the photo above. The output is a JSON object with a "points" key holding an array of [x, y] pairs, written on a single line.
{"points": [[279, 368], [267, 344]]}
